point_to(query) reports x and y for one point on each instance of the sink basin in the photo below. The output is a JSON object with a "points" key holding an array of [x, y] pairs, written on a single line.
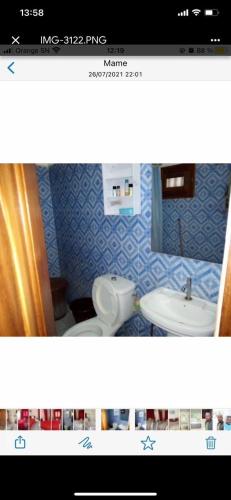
{"points": [[169, 310]]}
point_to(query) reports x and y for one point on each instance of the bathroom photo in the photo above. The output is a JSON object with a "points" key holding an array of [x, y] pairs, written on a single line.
{"points": [[68, 418], [115, 250], [196, 420], [115, 420], [140, 420], [184, 420], [173, 420], [12, 420], [84, 420]]}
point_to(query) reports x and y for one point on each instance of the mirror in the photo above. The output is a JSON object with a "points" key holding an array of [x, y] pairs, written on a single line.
{"points": [[189, 209]]}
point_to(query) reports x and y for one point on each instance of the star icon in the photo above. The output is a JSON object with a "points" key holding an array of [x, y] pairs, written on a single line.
{"points": [[148, 443]]}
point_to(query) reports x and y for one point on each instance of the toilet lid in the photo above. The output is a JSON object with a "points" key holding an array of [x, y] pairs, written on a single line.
{"points": [[106, 302]]}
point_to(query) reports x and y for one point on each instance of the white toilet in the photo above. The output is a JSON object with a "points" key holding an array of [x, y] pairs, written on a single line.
{"points": [[113, 298]]}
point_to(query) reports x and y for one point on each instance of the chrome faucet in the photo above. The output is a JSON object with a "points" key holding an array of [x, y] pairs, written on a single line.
{"points": [[188, 289]]}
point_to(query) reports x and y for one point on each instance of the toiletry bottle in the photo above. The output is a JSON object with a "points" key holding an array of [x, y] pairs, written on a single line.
{"points": [[114, 191], [118, 191], [130, 189], [126, 187]]}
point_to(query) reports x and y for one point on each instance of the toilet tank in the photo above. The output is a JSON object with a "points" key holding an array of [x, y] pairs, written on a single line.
{"points": [[126, 300]]}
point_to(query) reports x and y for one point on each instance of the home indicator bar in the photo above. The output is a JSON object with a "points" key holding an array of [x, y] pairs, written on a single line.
{"points": [[153, 494]]}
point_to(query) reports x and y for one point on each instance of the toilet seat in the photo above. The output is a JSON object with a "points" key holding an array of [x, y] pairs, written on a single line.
{"points": [[93, 327]]}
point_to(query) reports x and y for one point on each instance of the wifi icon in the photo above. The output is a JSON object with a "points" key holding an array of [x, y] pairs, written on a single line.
{"points": [[196, 12]]}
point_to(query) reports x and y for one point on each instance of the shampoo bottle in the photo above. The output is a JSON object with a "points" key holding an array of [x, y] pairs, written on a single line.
{"points": [[126, 187]]}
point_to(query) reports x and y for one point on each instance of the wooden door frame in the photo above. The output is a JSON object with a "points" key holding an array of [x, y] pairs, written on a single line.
{"points": [[25, 302], [225, 321]]}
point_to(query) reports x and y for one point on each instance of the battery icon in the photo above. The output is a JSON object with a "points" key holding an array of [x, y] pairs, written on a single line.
{"points": [[211, 12]]}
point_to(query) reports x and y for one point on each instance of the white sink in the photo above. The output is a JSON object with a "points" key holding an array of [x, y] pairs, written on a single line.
{"points": [[169, 310]]}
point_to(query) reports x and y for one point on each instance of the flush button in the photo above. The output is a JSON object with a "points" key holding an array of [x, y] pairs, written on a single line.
{"points": [[113, 278]]}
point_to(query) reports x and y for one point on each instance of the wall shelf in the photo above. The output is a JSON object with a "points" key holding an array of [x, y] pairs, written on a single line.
{"points": [[115, 175]]}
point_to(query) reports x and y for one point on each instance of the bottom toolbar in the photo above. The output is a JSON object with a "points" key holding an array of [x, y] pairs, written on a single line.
{"points": [[113, 443]]}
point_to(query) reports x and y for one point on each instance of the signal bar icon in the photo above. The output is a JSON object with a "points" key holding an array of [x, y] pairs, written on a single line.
{"points": [[183, 13]]}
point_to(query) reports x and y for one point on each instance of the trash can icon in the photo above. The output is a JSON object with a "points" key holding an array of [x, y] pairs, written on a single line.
{"points": [[211, 443]]}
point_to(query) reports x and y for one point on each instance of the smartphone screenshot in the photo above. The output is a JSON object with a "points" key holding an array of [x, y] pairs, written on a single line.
{"points": [[115, 251]]}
